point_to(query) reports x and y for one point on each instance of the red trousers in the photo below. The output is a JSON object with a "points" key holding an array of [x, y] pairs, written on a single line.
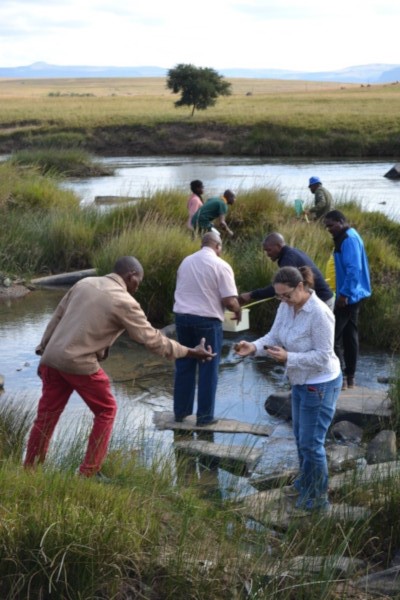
{"points": [[58, 386]]}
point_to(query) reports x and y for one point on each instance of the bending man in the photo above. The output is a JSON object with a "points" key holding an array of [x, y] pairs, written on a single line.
{"points": [[86, 323], [286, 256]]}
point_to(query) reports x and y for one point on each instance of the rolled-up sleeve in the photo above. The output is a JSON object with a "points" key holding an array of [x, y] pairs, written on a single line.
{"points": [[141, 331]]}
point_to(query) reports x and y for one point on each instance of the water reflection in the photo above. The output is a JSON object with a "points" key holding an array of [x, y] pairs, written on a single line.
{"points": [[143, 383]]}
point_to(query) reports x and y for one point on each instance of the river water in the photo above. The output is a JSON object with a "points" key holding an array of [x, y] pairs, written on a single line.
{"points": [[359, 180], [143, 383]]}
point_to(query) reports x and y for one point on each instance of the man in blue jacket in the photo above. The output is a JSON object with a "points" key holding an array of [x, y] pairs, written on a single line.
{"points": [[352, 286], [286, 256]]}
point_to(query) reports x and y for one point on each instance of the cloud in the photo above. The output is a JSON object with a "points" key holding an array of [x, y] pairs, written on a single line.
{"points": [[221, 33]]}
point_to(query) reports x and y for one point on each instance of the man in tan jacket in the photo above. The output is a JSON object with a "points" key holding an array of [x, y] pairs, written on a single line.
{"points": [[87, 321]]}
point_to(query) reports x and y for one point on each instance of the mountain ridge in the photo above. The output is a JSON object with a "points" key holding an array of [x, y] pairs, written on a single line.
{"points": [[363, 74]]}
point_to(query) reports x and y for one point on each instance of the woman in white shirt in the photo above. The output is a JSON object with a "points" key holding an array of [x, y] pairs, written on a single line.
{"points": [[302, 337]]}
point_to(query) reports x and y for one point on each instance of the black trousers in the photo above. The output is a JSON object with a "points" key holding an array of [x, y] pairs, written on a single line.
{"points": [[346, 337]]}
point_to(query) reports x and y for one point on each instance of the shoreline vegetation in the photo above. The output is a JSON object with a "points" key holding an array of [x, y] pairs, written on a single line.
{"points": [[154, 532], [56, 235]]}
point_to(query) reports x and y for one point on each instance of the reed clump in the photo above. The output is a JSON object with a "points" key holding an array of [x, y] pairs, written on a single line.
{"points": [[59, 161]]}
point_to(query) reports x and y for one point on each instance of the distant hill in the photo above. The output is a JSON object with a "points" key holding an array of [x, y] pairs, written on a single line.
{"points": [[363, 74]]}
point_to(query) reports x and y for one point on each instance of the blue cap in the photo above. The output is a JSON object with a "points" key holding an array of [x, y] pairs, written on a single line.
{"points": [[314, 180]]}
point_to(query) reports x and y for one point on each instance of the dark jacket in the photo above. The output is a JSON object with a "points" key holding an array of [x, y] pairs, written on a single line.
{"points": [[292, 257]]}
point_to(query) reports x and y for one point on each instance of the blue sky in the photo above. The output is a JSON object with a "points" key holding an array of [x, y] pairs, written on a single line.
{"points": [[284, 34]]}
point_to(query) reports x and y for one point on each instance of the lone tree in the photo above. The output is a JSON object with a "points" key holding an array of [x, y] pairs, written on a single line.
{"points": [[200, 86]]}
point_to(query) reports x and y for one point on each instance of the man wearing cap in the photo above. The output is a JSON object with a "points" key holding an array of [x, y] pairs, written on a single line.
{"points": [[322, 199], [214, 209]]}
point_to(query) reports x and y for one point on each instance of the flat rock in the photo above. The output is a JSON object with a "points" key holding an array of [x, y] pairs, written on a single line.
{"points": [[359, 405], [166, 420], [273, 480], [384, 582], [241, 456], [340, 455], [341, 566], [274, 509], [114, 199], [373, 473]]}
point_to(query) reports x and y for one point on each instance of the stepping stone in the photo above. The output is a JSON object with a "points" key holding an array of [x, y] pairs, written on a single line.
{"points": [[342, 566], [273, 509], [241, 457], [165, 420], [370, 473], [359, 405]]}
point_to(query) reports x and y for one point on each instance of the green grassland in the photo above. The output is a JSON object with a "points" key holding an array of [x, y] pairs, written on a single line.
{"points": [[263, 117]]}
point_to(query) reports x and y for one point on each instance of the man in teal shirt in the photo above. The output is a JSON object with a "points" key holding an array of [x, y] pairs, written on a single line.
{"points": [[214, 208]]}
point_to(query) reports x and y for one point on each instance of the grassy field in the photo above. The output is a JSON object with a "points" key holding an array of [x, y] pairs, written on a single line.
{"points": [[101, 102], [263, 117]]}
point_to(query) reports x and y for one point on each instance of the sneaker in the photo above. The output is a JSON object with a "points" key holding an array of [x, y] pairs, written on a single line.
{"points": [[201, 424], [291, 491], [344, 384], [295, 488]]}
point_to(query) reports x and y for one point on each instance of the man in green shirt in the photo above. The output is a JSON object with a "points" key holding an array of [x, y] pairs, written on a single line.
{"points": [[323, 202], [214, 209]]}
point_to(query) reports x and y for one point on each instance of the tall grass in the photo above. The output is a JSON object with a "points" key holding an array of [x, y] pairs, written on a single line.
{"points": [[26, 188], [147, 535], [56, 160]]}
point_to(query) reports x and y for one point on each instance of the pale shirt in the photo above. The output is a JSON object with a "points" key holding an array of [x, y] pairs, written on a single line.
{"points": [[203, 279], [193, 206], [308, 337], [88, 320]]}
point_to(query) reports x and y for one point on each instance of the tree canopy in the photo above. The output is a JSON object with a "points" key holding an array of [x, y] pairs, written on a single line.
{"points": [[199, 86]]}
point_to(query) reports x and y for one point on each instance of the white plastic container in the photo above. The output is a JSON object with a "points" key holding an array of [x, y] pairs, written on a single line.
{"points": [[233, 325]]}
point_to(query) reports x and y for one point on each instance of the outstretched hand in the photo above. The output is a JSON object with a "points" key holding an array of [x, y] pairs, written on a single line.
{"points": [[201, 352], [244, 348]]}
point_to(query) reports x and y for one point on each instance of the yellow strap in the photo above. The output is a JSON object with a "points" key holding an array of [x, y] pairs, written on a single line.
{"points": [[258, 302]]}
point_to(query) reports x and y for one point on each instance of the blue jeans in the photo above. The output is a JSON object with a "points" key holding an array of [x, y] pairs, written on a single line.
{"points": [[313, 408], [189, 330]]}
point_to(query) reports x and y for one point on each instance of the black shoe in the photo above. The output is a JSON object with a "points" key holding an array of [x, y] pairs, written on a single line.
{"points": [[202, 424], [350, 382], [96, 477], [102, 478], [180, 418]]}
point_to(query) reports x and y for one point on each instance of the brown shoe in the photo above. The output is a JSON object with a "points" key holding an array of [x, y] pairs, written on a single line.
{"points": [[344, 384]]}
